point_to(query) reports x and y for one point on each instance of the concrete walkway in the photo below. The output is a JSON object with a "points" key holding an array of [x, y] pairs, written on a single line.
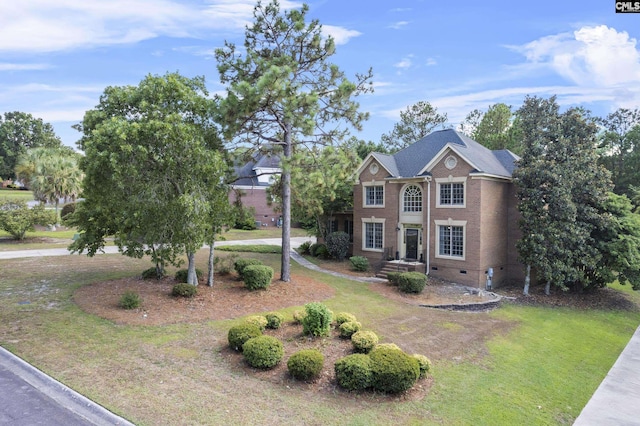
{"points": [[38, 399]]}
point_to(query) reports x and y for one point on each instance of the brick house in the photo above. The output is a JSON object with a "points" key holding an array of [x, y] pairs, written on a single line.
{"points": [[445, 206], [252, 180]]}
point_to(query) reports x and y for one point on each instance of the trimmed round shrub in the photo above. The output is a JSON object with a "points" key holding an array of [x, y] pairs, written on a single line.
{"points": [[67, 209], [181, 275], [298, 316], [338, 245], [258, 320], [317, 321], [359, 263], [263, 351], [257, 277], [239, 334], [389, 346], [412, 282], [184, 290], [364, 341], [348, 328], [344, 317], [353, 372], [424, 363], [152, 273], [242, 263], [393, 370], [274, 320], [394, 278], [305, 364], [130, 300]]}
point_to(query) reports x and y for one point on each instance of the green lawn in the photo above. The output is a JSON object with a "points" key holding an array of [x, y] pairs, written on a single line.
{"points": [[15, 194], [520, 365]]}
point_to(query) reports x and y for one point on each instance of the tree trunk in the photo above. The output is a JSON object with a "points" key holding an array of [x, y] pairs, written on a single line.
{"points": [[547, 288], [527, 281], [192, 278], [210, 273], [285, 269]]}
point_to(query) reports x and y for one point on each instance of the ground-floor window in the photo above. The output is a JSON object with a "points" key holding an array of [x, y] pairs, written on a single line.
{"points": [[373, 236], [348, 228], [451, 239]]}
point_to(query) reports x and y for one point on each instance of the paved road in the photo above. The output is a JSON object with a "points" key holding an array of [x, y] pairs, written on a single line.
{"points": [[29, 397]]}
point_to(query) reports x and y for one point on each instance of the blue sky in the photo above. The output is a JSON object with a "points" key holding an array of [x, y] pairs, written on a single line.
{"points": [[57, 57]]}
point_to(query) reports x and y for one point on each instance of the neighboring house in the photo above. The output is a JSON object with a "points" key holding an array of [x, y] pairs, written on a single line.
{"points": [[252, 180], [445, 205]]}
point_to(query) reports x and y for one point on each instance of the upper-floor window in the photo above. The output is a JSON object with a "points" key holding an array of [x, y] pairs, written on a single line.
{"points": [[412, 199], [452, 194], [374, 195]]}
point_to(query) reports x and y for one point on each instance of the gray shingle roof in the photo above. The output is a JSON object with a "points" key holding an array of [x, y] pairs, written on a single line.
{"points": [[246, 173], [411, 160]]}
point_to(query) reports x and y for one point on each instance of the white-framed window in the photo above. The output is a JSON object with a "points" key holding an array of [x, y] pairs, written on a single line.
{"points": [[412, 199], [451, 239], [451, 192], [373, 234], [373, 194]]}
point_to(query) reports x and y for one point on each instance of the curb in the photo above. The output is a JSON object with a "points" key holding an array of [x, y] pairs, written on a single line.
{"points": [[63, 395]]}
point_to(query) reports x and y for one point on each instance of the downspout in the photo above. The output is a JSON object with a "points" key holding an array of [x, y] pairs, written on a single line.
{"points": [[428, 239]]}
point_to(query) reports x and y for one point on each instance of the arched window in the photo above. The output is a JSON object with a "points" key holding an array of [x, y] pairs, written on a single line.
{"points": [[412, 199]]}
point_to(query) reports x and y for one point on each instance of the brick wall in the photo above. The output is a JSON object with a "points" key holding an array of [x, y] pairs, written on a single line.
{"points": [[257, 198]]}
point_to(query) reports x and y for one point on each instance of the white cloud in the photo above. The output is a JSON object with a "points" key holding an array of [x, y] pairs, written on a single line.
{"points": [[5, 66], [591, 56], [340, 35], [398, 25], [431, 62], [404, 63]]}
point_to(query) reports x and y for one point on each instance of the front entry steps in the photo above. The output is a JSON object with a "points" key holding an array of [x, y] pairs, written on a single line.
{"points": [[396, 266]]}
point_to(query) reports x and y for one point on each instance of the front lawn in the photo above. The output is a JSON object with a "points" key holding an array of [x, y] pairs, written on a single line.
{"points": [[514, 365]]}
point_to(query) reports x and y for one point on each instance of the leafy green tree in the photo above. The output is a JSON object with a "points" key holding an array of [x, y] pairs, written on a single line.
{"points": [[362, 148], [153, 173], [17, 218], [416, 122], [620, 148], [282, 91], [20, 131], [562, 192], [322, 185], [498, 128]]}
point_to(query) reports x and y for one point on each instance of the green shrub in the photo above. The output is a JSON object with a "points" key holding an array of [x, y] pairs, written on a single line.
{"points": [[184, 290], [317, 321], [305, 364], [253, 248], [263, 351], [17, 218], [242, 263], [130, 300], [344, 317], [412, 282], [353, 372], [224, 265], [181, 275], [239, 334], [257, 320], [305, 248], [359, 263], [393, 370], [394, 278], [257, 276], [274, 320], [152, 273], [389, 346], [322, 252], [67, 209], [348, 328], [364, 341], [425, 365], [338, 245], [244, 217], [313, 247], [298, 316]]}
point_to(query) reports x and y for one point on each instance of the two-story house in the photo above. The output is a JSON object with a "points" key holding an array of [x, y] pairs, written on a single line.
{"points": [[445, 205]]}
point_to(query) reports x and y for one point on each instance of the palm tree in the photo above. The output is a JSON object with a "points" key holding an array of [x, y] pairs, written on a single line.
{"points": [[57, 177]]}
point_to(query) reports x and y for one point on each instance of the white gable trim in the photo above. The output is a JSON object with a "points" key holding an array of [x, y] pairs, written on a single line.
{"points": [[441, 154], [367, 161]]}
